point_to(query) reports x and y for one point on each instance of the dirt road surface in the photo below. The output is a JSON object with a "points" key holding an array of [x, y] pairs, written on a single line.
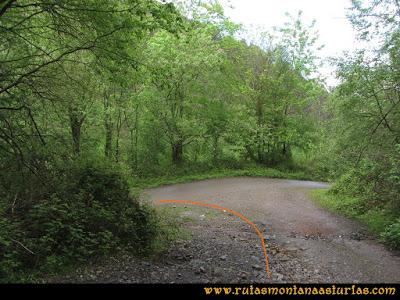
{"points": [[305, 243]]}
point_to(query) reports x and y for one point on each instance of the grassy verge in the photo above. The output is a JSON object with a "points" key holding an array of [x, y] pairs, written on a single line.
{"points": [[219, 173], [381, 222], [170, 228]]}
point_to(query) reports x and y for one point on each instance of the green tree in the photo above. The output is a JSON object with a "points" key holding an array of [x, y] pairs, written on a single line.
{"points": [[176, 64]]}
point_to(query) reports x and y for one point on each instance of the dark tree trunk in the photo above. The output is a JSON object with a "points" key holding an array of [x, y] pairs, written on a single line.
{"points": [[136, 137], [286, 150], [177, 152], [76, 139], [260, 122], [75, 124], [108, 145], [117, 148], [119, 125], [108, 126]]}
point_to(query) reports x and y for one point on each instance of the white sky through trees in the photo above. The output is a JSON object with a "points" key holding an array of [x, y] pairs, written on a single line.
{"points": [[334, 29]]}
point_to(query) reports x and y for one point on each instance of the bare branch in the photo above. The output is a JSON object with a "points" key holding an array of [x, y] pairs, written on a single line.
{"points": [[23, 246]]}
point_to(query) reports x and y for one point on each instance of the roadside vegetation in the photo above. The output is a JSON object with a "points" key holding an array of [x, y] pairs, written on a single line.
{"points": [[362, 131], [99, 99], [185, 175], [382, 222]]}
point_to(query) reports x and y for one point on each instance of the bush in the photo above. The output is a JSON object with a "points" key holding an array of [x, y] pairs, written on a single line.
{"points": [[11, 258], [90, 214], [392, 234], [381, 221], [376, 181]]}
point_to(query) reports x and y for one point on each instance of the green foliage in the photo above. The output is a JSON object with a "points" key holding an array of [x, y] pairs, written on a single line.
{"points": [[345, 205], [377, 219], [392, 234], [361, 126], [11, 257], [182, 175], [299, 41], [97, 94], [374, 181], [92, 214], [169, 229], [380, 221]]}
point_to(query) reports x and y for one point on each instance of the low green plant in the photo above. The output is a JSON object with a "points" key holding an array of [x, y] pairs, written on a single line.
{"points": [[251, 171], [391, 235], [88, 214], [378, 220], [169, 229]]}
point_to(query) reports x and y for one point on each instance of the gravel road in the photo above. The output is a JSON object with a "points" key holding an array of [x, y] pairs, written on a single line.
{"points": [[305, 243]]}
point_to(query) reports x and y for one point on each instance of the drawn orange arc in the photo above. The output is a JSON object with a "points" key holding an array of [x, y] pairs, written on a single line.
{"points": [[224, 209]]}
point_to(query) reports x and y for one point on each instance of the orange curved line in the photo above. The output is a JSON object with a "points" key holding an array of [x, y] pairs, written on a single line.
{"points": [[224, 209]]}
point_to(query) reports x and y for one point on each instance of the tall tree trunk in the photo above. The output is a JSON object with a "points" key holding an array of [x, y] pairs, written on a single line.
{"points": [[108, 145], [135, 141], [76, 121], [177, 152], [117, 148], [108, 126], [119, 126], [286, 150], [260, 122], [76, 137]]}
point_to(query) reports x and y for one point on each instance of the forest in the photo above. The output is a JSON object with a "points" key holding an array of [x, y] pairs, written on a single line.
{"points": [[100, 99]]}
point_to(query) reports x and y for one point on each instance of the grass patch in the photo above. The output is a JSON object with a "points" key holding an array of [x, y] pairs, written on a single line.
{"points": [[141, 183], [344, 205], [378, 220], [170, 228]]}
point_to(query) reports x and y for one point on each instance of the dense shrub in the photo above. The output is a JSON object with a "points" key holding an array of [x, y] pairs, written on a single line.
{"points": [[375, 182], [89, 214], [11, 256], [392, 234]]}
